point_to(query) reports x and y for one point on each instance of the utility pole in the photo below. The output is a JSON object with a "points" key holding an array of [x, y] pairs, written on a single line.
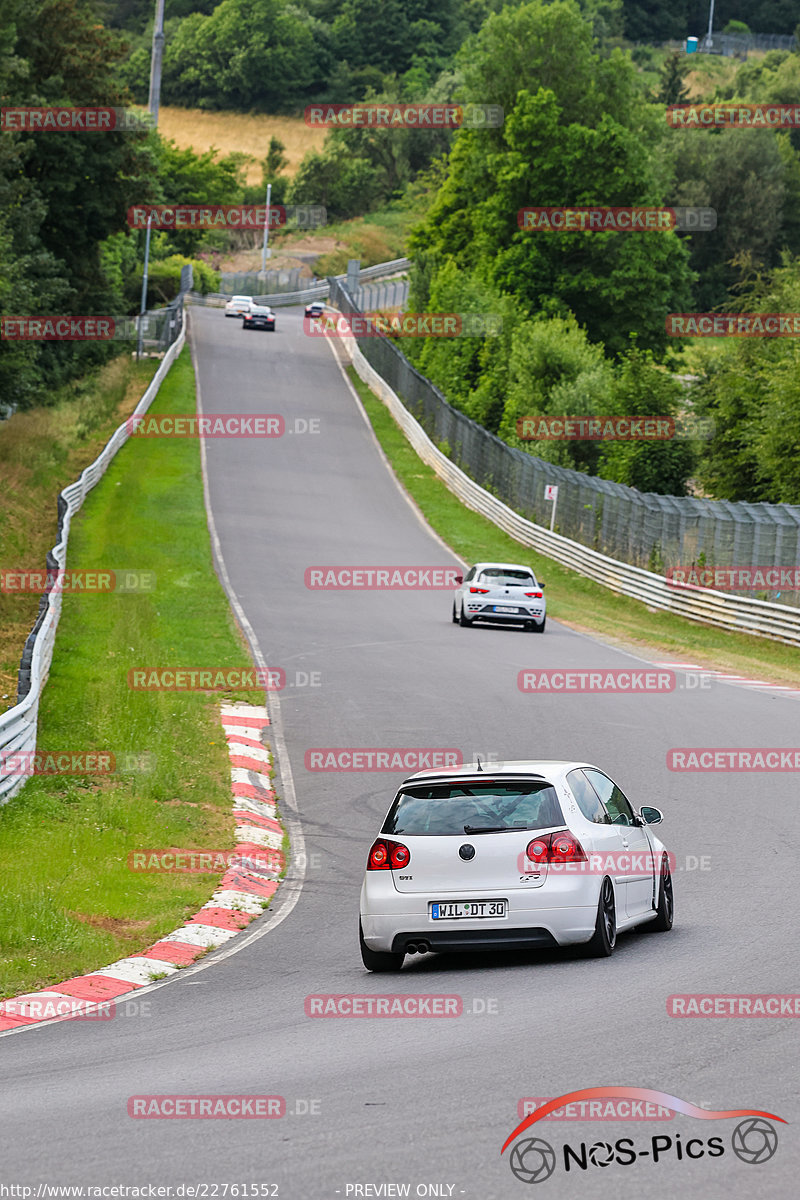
{"points": [[154, 98]]}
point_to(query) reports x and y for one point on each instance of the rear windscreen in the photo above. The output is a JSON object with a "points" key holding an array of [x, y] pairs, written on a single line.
{"points": [[502, 576], [458, 808]]}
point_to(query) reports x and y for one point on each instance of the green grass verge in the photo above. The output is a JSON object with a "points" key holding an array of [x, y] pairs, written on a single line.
{"points": [[41, 451], [69, 903], [571, 598]]}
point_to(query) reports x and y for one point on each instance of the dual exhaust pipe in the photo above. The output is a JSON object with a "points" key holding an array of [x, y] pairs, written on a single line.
{"points": [[417, 948]]}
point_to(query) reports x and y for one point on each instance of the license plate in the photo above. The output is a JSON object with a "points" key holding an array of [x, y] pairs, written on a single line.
{"points": [[504, 608], [468, 910]]}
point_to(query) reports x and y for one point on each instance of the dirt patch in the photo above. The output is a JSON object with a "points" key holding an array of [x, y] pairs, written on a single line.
{"points": [[119, 926]]}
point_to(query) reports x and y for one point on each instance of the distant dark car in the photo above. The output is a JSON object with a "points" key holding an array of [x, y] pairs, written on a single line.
{"points": [[259, 316], [316, 309]]}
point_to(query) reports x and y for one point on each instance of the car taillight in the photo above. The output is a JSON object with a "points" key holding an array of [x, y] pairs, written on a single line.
{"points": [[559, 847], [538, 595], [480, 591], [538, 849], [388, 856]]}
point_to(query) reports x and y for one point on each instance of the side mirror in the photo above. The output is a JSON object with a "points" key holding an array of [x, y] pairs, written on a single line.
{"points": [[651, 815], [541, 584], [459, 578]]}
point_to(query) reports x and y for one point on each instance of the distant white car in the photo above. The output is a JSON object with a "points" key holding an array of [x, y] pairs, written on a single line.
{"points": [[238, 305], [536, 855], [501, 593], [315, 309]]}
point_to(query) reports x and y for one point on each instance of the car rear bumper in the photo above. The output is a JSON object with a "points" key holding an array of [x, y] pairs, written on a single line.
{"points": [[524, 928], [483, 612], [456, 941]]}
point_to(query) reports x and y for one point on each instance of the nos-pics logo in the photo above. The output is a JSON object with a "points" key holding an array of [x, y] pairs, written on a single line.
{"points": [[533, 1160]]}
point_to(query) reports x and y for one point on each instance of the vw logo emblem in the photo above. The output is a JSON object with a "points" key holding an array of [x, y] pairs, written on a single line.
{"points": [[466, 851]]}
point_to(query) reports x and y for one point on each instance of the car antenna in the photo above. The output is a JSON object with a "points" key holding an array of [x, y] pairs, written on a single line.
{"points": [[478, 759]]}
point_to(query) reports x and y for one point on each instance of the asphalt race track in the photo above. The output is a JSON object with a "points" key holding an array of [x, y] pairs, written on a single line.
{"points": [[421, 1102]]}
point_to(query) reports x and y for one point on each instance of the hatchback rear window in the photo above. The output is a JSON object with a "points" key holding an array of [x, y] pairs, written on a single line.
{"points": [[459, 808], [499, 575]]}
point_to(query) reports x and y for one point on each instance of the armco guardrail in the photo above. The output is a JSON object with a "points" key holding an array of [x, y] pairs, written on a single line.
{"points": [[742, 614], [315, 291], [18, 725]]}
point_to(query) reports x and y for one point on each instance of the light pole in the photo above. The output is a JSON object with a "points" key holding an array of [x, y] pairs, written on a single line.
{"points": [[154, 98], [143, 306], [264, 250], [708, 42]]}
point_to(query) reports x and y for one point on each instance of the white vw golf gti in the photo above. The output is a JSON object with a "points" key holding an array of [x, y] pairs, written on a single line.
{"points": [[502, 593], [535, 855]]}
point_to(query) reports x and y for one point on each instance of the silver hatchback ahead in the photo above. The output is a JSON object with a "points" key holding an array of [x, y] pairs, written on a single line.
{"points": [[501, 593]]}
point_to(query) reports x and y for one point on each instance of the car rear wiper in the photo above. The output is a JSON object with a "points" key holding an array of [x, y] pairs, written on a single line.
{"points": [[492, 828]]}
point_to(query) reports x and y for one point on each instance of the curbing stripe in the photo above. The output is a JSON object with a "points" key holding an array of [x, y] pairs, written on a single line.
{"points": [[234, 904]]}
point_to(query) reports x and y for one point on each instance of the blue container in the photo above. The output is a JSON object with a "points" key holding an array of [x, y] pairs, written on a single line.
{"points": [[691, 45]]}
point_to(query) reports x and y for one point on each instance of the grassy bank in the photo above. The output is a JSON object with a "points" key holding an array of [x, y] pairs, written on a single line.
{"points": [[572, 599], [69, 902], [42, 451]]}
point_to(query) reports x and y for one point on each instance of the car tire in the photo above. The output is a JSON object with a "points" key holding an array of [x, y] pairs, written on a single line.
{"points": [[462, 620], [604, 938], [538, 626], [665, 911], [455, 614], [378, 960]]}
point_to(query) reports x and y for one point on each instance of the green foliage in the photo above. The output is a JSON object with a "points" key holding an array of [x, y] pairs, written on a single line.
{"points": [[576, 132], [347, 185], [164, 278], [247, 54], [672, 89], [751, 389]]}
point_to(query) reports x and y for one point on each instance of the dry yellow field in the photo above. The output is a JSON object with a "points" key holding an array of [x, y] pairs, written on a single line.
{"points": [[247, 133]]}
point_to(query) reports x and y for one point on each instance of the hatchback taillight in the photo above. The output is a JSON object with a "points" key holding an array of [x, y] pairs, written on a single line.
{"points": [[480, 591], [537, 595], [388, 856], [558, 847]]}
